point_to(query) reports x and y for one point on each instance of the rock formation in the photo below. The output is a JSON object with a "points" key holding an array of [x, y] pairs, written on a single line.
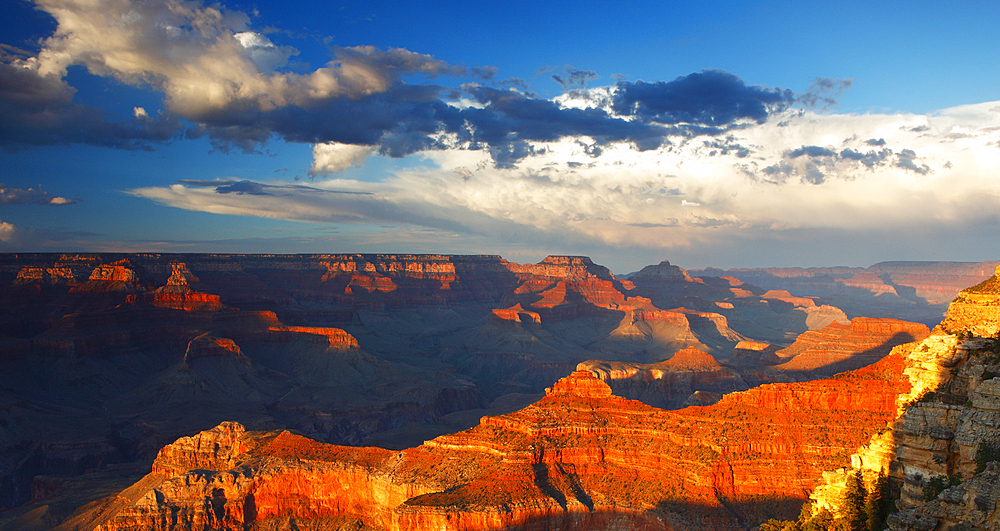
{"points": [[105, 358], [838, 347], [580, 457], [976, 310], [912, 291], [669, 384], [938, 451]]}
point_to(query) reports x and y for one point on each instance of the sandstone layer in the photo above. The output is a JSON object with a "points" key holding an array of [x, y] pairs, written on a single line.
{"points": [[580, 457], [837, 347], [912, 291], [937, 451], [105, 358]]}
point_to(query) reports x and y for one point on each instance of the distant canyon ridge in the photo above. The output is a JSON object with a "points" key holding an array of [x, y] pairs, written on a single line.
{"points": [[107, 358]]}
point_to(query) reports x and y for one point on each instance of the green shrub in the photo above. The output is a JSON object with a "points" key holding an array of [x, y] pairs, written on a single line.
{"points": [[937, 485], [986, 452]]}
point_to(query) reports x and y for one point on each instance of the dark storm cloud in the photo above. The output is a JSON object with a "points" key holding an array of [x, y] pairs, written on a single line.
{"points": [[39, 110], [710, 97]]}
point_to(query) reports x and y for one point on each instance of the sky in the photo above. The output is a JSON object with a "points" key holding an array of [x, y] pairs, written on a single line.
{"points": [[723, 134]]}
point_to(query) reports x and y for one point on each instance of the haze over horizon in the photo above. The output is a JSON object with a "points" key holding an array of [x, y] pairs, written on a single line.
{"points": [[732, 135]]}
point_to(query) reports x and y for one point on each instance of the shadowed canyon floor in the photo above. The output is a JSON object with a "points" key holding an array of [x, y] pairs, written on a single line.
{"points": [[111, 357]]}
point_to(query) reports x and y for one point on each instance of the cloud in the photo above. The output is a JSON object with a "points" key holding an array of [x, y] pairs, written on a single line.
{"points": [[22, 196], [228, 186], [264, 53], [823, 92], [710, 97], [574, 77], [7, 232], [38, 110], [335, 157], [801, 173], [227, 79], [907, 158]]}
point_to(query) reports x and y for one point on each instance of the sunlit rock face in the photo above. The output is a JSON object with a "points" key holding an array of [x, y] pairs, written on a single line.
{"points": [[669, 384], [912, 291], [838, 347], [579, 457], [178, 294], [950, 411], [976, 310]]}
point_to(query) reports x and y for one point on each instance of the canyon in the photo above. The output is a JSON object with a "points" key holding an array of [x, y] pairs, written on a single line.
{"points": [[912, 291], [439, 361]]}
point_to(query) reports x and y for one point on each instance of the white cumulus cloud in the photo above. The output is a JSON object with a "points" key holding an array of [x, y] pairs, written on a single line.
{"points": [[800, 173], [335, 157]]}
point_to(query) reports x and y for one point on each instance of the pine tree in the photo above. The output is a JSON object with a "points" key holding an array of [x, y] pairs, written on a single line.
{"points": [[853, 513], [878, 504]]}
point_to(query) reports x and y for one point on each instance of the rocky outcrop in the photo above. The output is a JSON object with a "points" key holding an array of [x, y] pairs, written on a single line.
{"points": [[662, 272], [117, 276], [45, 275], [178, 294], [215, 449], [948, 422], [839, 347], [754, 353], [669, 384], [206, 346], [912, 291], [580, 457], [969, 506], [976, 310], [517, 314], [750, 312]]}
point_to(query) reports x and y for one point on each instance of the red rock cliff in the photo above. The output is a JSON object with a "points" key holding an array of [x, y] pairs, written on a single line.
{"points": [[580, 457]]}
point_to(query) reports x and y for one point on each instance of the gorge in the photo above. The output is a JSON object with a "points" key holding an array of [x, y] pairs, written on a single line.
{"points": [[458, 391]]}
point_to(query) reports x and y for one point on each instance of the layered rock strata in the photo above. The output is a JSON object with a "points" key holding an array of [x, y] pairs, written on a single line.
{"points": [[839, 347], [948, 420], [913, 291], [669, 384], [580, 457]]}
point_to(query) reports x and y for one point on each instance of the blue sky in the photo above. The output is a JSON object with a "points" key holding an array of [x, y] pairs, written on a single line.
{"points": [[732, 134]]}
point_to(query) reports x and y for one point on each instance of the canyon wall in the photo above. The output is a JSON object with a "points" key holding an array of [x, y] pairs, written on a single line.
{"points": [[579, 457], [940, 452], [106, 358], [912, 291]]}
